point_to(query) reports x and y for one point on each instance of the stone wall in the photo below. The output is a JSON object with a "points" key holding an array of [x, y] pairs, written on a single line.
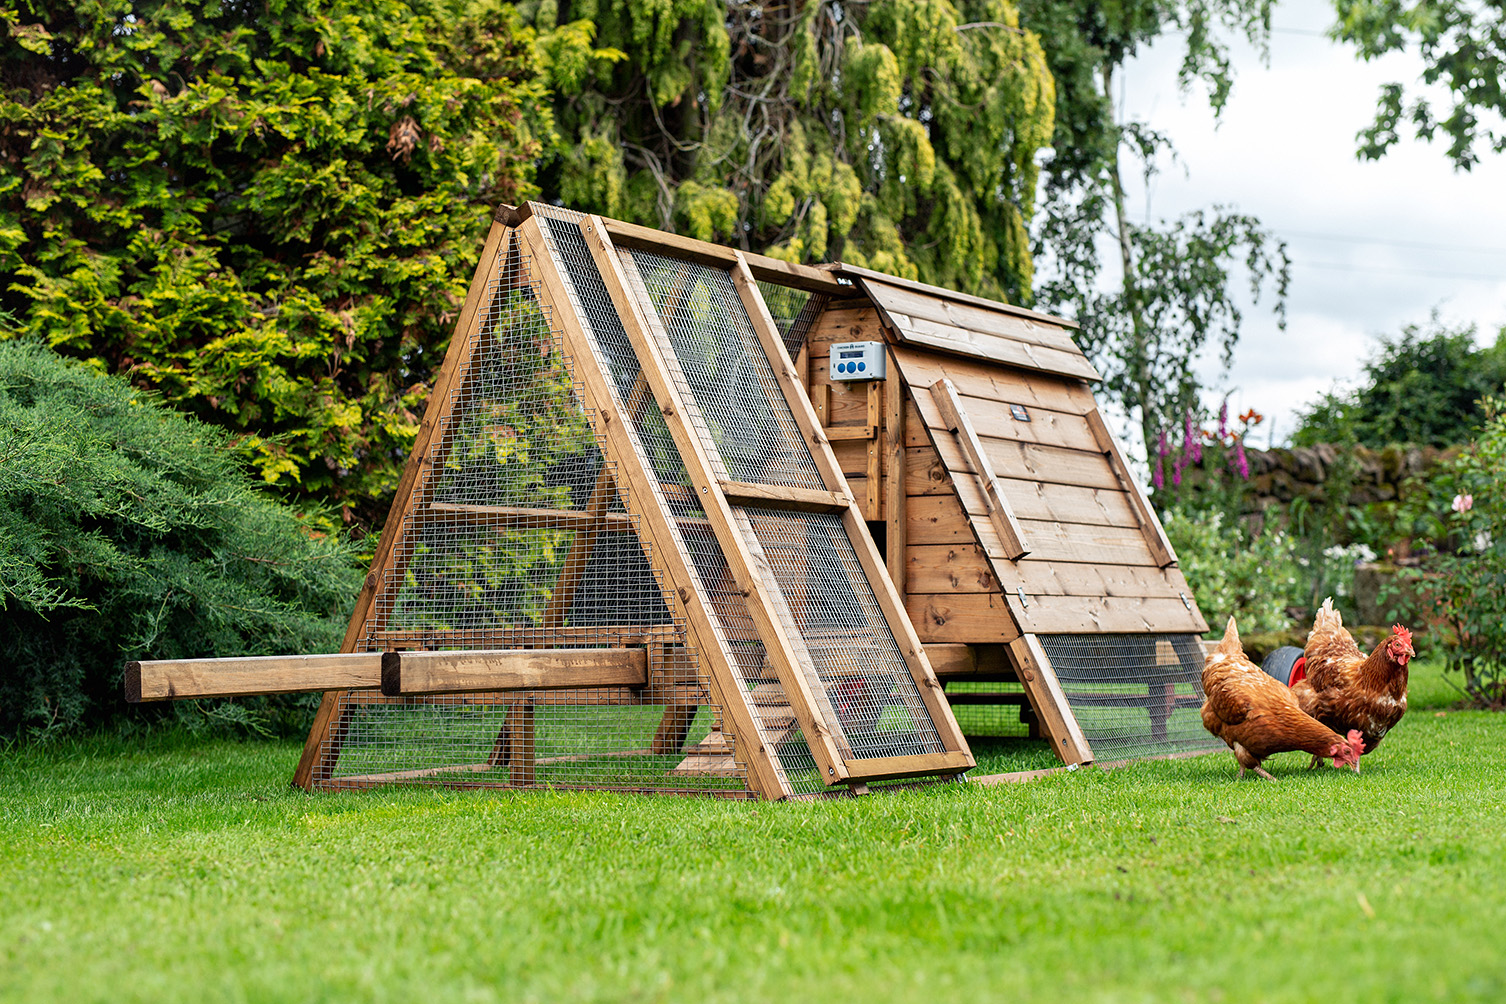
{"points": [[1282, 475]]}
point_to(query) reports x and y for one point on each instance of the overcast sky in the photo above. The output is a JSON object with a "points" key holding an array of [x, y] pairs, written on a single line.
{"points": [[1374, 245]]}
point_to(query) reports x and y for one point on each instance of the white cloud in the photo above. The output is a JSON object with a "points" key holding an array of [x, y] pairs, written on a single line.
{"points": [[1374, 245]]}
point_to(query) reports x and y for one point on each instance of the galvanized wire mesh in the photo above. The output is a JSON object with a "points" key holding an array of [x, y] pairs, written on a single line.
{"points": [[991, 709], [517, 537], [829, 609], [795, 312], [712, 578], [1133, 695], [720, 365]]}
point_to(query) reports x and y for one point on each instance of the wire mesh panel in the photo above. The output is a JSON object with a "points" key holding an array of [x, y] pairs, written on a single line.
{"points": [[712, 577], [1133, 695], [718, 362], [794, 311], [517, 537], [830, 606]]}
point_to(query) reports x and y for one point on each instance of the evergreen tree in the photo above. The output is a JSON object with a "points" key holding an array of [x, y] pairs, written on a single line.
{"points": [[902, 136], [268, 212]]}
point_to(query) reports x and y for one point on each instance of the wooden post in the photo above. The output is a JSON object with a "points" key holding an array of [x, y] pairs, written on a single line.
{"points": [[894, 489]]}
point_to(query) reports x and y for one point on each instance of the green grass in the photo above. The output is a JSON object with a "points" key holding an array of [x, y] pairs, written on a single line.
{"points": [[164, 869]]}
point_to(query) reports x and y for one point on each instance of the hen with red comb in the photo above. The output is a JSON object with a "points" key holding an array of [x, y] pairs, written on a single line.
{"points": [[1346, 689]]}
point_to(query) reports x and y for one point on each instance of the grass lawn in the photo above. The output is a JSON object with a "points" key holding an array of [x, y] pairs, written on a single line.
{"points": [[167, 869]]}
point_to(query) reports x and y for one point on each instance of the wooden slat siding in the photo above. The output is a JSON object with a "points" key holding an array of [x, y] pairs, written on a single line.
{"points": [[1150, 525], [896, 462], [1050, 464], [997, 349], [1108, 615], [782, 497], [1104, 545], [925, 473], [1009, 529], [963, 568], [943, 310], [972, 618], [173, 679], [847, 405], [1046, 426], [854, 272], [994, 383], [843, 324], [645, 331], [1048, 701], [655, 526], [939, 519], [1069, 503], [436, 408], [967, 569], [888, 600], [483, 670]]}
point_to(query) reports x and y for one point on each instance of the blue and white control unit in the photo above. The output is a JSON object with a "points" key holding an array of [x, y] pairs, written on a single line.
{"points": [[857, 361]]}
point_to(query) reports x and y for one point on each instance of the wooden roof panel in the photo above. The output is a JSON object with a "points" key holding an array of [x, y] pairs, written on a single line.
{"points": [[998, 334]]}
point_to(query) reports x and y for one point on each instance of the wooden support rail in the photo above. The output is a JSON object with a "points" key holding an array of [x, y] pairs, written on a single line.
{"points": [[481, 670], [782, 497], [999, 511], [173, 679]]}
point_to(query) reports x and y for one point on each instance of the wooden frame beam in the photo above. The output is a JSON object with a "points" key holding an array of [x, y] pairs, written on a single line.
{"points": [[485, 670], [645, 331], [781, 497], [999, 511], [853, 521], [641, 497], [177, 679]]}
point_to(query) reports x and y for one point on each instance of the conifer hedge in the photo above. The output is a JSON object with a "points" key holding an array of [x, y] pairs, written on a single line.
{"points": [[129, 531], [266, 211]]}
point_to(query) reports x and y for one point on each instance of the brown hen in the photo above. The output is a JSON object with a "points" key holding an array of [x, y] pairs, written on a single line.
{"points": [[1346, 689], [1258, 717]]}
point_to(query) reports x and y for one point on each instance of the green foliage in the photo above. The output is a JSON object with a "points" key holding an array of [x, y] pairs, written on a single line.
{"points": [[902, 136], [1462, 579], [1462, 45], [1232, 572], [1423, 387], [268, 214], [129, 531], [1173, 296]]}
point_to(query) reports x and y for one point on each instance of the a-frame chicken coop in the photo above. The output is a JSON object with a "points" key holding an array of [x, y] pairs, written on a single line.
{"points": [[648, 540]]}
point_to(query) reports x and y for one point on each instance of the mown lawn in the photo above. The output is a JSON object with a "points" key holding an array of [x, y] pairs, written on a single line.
{"points": [[169, 870]]}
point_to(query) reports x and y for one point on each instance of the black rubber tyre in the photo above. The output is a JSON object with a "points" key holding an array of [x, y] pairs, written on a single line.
{"points": [[1281, 663]]}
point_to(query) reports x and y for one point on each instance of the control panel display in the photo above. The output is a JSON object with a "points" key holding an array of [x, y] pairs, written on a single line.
{"points": [[857, 361]]}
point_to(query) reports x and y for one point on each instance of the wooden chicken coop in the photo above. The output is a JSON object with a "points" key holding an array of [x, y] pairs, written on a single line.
{"points": [[652, 537]]}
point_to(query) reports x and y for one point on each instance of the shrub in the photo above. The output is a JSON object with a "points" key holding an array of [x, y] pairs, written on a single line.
{"points": [[268, 213], [130, 531], [1253, 577], [1462, 577]]}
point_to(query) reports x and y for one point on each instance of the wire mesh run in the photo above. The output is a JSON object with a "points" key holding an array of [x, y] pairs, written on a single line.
{"points": [[829, 608], [795, 312], [712, 577], [992, 709], [517, 537], [721, 366], [1133, 695]]}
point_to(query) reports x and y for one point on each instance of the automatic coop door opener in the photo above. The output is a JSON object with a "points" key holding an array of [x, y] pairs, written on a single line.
{"points": [[854, 361]]}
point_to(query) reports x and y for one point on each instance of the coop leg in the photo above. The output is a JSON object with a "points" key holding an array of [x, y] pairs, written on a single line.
{"points": [[1162, 698], [669, 738], [520, 743]]}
